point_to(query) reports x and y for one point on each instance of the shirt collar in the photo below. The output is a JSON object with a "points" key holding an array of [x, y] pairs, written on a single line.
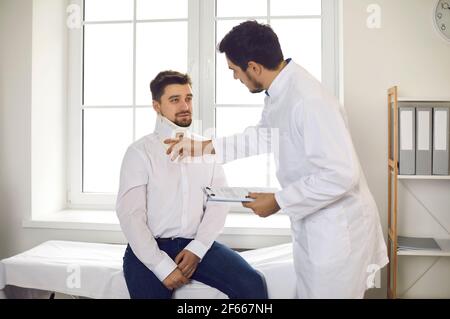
{"points": [[278, 83], [165, 129]]}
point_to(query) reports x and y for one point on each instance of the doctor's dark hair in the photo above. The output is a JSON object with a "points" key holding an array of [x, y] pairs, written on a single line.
{"points": [[252, 41], [165, 78]]}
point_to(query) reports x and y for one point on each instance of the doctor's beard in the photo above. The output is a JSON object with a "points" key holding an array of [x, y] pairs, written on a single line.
{"points": [[257, 86]]}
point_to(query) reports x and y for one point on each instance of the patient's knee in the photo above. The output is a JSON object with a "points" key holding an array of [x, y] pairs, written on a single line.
{"points": [[251, 285]]}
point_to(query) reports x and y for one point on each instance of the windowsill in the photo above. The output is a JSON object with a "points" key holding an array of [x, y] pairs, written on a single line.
{"points": [[106, 220]]}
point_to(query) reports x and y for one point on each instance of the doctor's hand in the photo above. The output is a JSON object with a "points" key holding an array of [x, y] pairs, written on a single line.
{"points": [[175, 280], [264, 204], [187, 262], [185, 147]]}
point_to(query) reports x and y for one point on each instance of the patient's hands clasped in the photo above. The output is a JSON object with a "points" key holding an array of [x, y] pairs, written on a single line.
{"points": [[175, 280], [187, 262]]}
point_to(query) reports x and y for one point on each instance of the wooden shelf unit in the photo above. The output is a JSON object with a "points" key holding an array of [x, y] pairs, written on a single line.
{"points": [[393, 180], [392, 192]]}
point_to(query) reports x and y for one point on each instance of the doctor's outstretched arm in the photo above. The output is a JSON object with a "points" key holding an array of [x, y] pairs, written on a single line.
{"points": [[255, 140]]}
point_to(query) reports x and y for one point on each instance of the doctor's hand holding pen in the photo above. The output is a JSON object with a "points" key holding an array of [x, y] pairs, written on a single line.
{"points": [[264, 204]]}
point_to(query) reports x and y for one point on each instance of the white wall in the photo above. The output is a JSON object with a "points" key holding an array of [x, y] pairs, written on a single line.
{"points": [[15, 101], [404, 52], [49, 100]]}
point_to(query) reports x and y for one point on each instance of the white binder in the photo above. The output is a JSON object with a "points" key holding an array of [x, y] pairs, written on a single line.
{"points": [[407, 143], [441, 136], [424, 124]]}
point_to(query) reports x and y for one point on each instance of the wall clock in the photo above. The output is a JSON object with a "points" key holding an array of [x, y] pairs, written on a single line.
{"points": [[442, 18]]}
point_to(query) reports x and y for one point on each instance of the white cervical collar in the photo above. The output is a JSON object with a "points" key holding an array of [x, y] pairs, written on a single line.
{"points": [[165, 129]]}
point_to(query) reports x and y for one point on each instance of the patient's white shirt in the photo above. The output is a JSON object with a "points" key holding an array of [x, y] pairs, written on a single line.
{"points": [[159, 198]]}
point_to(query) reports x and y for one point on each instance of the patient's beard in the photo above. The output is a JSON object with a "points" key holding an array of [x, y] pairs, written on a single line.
{"points": [[183, 122]]}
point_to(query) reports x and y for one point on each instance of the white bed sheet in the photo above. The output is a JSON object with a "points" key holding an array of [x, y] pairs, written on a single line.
{"points": [[55, 266]]}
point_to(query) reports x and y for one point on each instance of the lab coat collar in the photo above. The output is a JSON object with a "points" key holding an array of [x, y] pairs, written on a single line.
{"points": [[165, 128], [279, 82]]}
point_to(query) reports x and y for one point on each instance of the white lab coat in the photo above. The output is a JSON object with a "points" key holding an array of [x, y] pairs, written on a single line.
{"points": [[336, 229]]}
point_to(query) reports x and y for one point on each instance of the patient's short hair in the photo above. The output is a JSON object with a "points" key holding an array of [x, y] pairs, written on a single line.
{"points": [[165, 78]]}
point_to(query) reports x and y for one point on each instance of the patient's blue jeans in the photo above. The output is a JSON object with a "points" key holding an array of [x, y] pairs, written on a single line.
{"points": [[221, 268]]}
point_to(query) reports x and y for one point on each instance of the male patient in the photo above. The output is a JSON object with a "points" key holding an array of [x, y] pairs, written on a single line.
{"points": [[170, 229]]}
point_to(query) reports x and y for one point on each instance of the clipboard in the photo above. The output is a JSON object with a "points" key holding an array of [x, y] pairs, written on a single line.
{"points": [[233, 194]]}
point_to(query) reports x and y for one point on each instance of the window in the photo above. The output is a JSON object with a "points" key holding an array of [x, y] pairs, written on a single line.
{"points": [[112, 61]]}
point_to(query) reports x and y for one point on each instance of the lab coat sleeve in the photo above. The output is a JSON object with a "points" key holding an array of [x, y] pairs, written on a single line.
{"points": [[213, 219], [255, 140], [329, 149], [131, 208]]}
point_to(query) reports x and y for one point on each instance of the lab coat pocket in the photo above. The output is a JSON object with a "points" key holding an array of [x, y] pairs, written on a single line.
{"points": [[328, 237]]}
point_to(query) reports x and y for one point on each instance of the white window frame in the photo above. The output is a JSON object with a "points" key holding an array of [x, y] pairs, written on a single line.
{"points": [[201, 61]]}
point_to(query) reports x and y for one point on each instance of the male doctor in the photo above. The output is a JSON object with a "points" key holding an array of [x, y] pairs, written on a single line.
{"points": [[337, 236]]}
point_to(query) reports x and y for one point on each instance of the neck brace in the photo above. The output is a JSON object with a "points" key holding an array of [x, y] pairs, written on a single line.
{"points": [[165, 129]]}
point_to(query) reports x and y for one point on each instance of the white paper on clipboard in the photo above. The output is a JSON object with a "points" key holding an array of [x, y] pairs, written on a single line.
{"points": [[233, 194]]}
